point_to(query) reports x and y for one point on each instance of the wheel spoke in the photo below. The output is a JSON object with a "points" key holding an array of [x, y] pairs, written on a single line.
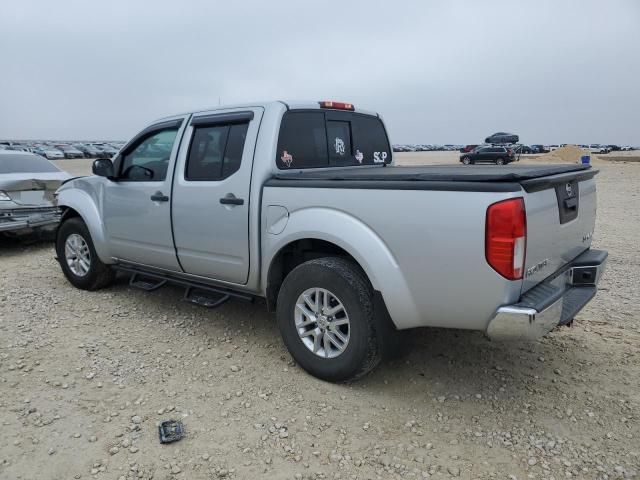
{"points": [[313, 331], [325, 344], [316, 343], [340, 321], [333, 311], [339, 335], [306, 312]]}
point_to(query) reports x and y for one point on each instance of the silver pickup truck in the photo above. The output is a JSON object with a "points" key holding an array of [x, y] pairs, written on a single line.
{"points": [[301, 203]]}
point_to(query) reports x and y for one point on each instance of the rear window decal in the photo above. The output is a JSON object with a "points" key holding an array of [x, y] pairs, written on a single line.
{"points": [[359, 156], [339, 146], [379, 157], [286, 158]]}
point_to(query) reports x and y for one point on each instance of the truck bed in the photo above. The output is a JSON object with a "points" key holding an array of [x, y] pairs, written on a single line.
{"points": [[434, 177]]}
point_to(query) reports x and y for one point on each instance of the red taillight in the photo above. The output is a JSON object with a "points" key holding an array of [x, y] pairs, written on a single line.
{"points": [[506, 236], [336, 105]]}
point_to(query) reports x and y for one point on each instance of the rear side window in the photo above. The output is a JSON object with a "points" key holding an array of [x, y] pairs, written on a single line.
{"points": [[316, 139], [303, 141], [215, 152]]}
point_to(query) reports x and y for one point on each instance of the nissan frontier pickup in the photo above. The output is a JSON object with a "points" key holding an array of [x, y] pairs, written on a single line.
{"points": [[302, 204]]}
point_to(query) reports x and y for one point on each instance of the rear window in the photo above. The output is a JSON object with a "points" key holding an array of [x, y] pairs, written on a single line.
{"points": [[25, 164], [318, 138]]}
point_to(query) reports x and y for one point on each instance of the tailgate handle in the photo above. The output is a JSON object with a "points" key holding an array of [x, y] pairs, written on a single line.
{"points": [[571, 203]]}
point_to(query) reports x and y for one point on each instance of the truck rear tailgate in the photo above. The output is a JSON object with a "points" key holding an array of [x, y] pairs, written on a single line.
{"points": [[561, 214]]}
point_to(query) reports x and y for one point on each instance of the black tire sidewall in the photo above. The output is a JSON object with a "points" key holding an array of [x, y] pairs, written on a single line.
{"points": [[75, 225], [354, 294]]}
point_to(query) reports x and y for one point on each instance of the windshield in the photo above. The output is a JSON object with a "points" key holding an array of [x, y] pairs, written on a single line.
{"points": [[25, 164]]}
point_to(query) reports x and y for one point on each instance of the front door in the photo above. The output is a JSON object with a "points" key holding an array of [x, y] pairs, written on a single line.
{"points": [[137, 213], [211, 194]]}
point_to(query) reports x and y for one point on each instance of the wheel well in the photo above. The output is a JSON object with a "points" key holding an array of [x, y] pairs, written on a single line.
{"points": [[68, 212], [294, 254]]}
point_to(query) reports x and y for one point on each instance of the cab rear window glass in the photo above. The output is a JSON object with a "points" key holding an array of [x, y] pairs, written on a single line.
{"points": [[319, 138]]}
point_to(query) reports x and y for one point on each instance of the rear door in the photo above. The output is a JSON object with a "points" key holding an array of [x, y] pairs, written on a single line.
{"points": [[561, 213], [210, 209]]}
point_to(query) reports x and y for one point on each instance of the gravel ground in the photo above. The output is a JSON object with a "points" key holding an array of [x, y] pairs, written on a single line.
{"points": [[85, 377]]}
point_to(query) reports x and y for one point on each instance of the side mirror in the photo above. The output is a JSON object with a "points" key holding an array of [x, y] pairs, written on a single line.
{"points": [[103, 167]]}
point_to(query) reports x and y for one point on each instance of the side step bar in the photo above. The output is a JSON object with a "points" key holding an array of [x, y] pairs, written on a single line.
{"points": [[198, 293]]}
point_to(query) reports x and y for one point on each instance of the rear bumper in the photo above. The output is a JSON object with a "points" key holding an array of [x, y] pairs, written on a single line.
{"points": [[553, 302], [20, 221]]}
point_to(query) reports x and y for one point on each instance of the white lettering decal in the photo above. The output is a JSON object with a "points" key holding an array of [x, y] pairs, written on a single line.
{"points": [[359, 156], [339, 146]]}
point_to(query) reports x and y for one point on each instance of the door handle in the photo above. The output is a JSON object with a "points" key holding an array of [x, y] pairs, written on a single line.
{"points": [[159, 197], [231, 199]]}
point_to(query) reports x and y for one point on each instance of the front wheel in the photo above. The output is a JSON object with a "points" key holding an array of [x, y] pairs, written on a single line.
{"points": [[466, 160], [325, 316], [78, 258]]}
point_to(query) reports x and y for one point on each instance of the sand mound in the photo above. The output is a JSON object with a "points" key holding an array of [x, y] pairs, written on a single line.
{"points": [[566, 154]]}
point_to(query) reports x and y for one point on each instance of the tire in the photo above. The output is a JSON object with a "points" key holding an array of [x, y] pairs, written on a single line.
{"points": [[98, 275], [500, 161], [466, 160], [349, 286]]}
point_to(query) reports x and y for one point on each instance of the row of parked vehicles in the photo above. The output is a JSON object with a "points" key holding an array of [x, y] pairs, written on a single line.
{"points": [[59, 150], [519, 148]]}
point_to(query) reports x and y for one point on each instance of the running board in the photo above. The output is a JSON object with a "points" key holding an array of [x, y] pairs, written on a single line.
{"points": [[197, 293]]}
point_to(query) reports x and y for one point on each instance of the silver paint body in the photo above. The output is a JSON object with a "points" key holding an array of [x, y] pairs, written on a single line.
{"points": [[422, 249]]}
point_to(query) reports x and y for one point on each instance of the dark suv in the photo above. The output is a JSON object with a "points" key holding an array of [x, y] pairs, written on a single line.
{"points": [[502, 137], [488, 154]]}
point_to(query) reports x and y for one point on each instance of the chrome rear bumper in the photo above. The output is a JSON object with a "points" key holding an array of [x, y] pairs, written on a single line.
{"points": [[551, 303]]}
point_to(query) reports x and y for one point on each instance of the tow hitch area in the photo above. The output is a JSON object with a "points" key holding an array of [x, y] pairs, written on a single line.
{"points": [[171, 431]]}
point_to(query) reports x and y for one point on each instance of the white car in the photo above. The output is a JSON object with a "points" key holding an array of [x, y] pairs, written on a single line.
{"points": [[595, 148]]}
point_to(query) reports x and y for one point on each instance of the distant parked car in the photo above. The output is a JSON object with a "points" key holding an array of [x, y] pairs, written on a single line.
{"points": [[27, 186], [613, 148], [49, 153], [502, 137], [595, 148], [538, 148], [488, 154], [71, 152], [522, 149], [626, 148], [468, 148]]}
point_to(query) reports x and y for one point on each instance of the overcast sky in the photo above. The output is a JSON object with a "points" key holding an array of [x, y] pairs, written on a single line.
{"points": [[438, 71]]}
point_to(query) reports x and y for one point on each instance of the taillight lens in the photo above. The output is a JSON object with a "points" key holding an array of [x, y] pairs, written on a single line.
{"points": [[506, 237]]}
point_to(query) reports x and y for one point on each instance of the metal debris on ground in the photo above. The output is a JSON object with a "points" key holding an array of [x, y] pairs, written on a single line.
{"points": [[171, 431]]}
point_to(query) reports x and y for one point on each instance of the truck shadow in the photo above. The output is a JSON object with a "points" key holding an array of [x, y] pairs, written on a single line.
{"points": [[431, 363], [13, 246]]}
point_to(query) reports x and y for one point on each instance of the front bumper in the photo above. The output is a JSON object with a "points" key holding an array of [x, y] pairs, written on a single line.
{"points": [[555, 301], [20, 220]]}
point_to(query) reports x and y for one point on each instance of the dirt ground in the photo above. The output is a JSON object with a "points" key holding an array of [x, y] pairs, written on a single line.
{"points": [[85, 378]]}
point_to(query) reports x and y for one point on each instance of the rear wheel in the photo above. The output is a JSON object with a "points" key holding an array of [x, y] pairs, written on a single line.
{"points": [[325, 316], [500, 161], [78, 258]]}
